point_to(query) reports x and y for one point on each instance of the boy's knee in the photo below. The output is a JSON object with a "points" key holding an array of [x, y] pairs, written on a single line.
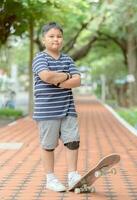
{"points": [[72, 145], [49, 150]]}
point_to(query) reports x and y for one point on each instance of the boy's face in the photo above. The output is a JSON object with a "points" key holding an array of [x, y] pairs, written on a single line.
{"points": [[53, 39]]}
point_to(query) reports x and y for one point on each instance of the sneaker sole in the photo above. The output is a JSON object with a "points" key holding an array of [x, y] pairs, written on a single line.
{"points": [[56, 190]]}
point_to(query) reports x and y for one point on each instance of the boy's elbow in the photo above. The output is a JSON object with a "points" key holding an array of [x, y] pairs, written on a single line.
{"points": [[45, 76], [78, 81]]}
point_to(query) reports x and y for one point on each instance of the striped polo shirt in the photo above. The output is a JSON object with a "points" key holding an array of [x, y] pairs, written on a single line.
{"points": [[52, 102]]}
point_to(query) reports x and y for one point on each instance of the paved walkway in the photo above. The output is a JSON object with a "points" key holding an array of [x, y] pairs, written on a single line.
{"points": [[21, 173]]}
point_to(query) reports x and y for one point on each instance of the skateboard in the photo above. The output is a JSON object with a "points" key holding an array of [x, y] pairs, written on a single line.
{"points": [[103, 167]]}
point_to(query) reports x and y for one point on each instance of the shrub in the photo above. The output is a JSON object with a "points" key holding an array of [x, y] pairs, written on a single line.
{"points": [[10, 113], [130, 115]]}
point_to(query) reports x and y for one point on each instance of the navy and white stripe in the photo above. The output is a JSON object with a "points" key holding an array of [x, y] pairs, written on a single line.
{"points": [[52, 102]]}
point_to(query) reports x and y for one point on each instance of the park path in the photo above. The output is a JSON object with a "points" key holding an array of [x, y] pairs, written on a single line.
{"points": [[21, 173]]}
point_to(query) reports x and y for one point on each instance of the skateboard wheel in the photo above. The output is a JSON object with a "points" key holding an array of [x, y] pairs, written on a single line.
{"points": [[113, 171], [98, 174], [77, 190], [86, 189], [84, 186], [92, 189]]}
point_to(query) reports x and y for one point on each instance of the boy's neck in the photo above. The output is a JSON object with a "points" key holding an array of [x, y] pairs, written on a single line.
{"points": [[54, 54]]}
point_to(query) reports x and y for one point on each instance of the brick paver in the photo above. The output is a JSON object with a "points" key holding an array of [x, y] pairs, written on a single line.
{"points": [[21, 173]]}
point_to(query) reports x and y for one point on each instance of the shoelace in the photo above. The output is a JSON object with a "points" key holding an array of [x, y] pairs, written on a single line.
{"points": [[73, 178], [55, 180]]}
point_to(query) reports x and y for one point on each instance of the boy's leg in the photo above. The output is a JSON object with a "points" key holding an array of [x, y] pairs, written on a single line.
{"points": [[72, 158], [49, 135], [48, 161], [70, 137]]}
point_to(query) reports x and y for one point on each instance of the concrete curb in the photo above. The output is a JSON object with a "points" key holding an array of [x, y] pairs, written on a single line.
{"points": [[121, 120]]}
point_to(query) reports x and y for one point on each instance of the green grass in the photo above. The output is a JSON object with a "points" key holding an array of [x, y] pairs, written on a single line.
{"points": [[130, 115], [10, 113]]}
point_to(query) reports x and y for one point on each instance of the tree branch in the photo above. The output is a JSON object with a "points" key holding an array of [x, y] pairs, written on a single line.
{"points": [[70, 44], [83, 51], [121, 43]]}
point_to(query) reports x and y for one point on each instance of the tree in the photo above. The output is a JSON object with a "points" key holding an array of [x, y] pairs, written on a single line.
{"points": [[115, 21], [125, 16], [93, 30], [25, 18]]}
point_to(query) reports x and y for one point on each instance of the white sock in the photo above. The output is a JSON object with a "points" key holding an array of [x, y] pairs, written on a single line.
{"points": [[71, 174], [50, 176]]}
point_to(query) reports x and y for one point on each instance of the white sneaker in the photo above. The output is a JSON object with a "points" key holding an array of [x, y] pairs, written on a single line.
{"points": [[73, 179], [55, 185]]}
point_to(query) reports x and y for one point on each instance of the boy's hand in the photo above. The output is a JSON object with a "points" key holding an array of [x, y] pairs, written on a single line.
{"points": [[73, 82], [68, 77], [53, 77]]}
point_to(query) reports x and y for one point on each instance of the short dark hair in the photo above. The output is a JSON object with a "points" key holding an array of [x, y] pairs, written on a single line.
{"points": [[49, 26]]}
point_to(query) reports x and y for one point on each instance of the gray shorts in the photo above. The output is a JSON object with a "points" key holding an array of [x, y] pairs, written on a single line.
{"points": [[51, 131]]}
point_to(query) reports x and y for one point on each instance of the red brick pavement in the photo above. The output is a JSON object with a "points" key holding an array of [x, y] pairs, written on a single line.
{"points": [[21, 173]]}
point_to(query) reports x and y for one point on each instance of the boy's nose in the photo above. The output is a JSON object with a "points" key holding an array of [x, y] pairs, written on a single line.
{"points": [[55, 38]]}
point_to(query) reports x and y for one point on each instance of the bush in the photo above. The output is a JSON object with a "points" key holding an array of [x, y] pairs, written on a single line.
{"points": [[130, 115], [10, 113]]}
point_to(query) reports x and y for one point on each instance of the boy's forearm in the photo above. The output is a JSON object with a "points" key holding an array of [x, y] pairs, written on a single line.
{"points": [[75, 81], [53, 77]]}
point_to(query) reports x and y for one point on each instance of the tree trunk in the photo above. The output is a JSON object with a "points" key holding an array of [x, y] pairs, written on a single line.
{"points": [[132, 68], [31, 33]]}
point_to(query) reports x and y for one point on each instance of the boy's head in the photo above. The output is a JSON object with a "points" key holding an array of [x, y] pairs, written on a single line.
{"points": [[49, 26], [52, 36]]}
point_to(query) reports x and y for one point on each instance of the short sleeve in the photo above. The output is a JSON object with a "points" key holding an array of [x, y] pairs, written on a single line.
{"points": [[72, 68], [39, 64]]}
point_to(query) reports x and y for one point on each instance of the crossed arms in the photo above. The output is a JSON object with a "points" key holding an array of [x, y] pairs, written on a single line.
{"points": [[53, 77]]}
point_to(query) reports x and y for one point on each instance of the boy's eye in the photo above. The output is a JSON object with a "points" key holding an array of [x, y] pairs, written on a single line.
{"points": [[58, 36]]}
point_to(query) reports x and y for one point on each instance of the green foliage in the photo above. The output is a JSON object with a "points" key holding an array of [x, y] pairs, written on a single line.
{"points": [[130, 115], [119, 15], [10, 113], [105, 59], [109, 21], [16, 15]]}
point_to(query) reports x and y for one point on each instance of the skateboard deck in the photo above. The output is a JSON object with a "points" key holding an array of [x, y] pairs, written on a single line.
{"points": [[103, 167]]}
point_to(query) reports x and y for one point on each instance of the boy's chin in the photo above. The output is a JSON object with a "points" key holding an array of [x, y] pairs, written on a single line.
{"points": [[56, 49]]}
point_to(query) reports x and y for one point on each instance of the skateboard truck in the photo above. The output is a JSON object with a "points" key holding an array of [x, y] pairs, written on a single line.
{"points": [[85, 188], [104, 171]]}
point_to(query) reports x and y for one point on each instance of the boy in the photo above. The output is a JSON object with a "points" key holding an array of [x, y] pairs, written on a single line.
{"points": [[54, 110]]}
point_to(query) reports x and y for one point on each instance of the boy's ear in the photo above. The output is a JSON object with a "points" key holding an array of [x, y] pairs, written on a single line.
{"points": [[43, 42]]}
